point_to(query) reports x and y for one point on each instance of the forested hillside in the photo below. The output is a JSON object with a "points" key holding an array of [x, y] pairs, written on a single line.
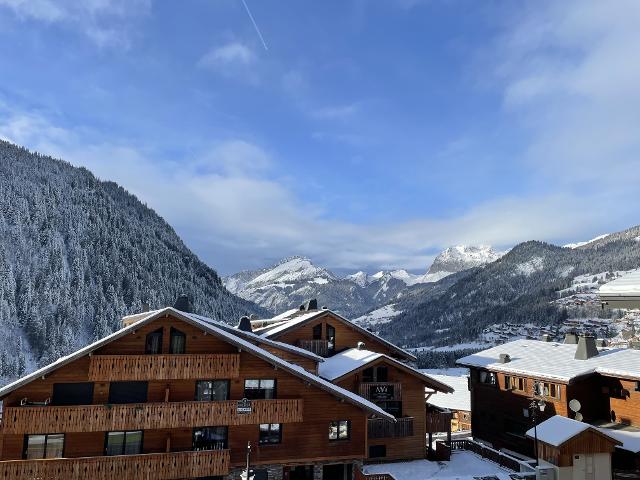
{"points": [[76, 254]]}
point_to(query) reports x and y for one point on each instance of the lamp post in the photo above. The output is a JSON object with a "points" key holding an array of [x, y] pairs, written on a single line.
{"points": [[534, 406]]}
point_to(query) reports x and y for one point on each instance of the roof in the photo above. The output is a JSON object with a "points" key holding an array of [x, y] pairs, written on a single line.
{"points": [[558, 430], [213, 327], [555, 361], [627, 285], [459, 399], [628, 437], [343, 363], [295, 317]]}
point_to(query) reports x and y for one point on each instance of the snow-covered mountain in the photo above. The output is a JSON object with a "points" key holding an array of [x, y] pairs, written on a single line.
{"points": [[462, 257], [582, 244]]}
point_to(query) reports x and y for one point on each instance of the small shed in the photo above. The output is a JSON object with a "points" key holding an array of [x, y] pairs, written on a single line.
{"points": [[577, 451]]}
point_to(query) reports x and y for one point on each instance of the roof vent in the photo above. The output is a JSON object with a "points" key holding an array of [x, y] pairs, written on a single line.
{"points": [[309, 305], [360, 346], [324, 308], [183, 303], [245, 324], [601, 342], [586, 347], [571, 338], [505, 358]]}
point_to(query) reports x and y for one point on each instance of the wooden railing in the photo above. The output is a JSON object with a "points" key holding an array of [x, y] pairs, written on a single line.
{"points": [[379, 391], [489, 453], [154, 466], [360, 475], [147, 416], [438, 422], [319, 347], [111, 368], [382, 428]]}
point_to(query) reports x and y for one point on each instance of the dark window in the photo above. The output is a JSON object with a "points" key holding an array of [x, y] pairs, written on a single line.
{"points": [[637, 386], [317, 332], [43, 446], [340, 471], [488, 378], [391, 406], [72, 394], [331, 339], [257, 389], [210, 438], [260, 474], [270, 433], [153, 342], [368, 375], [128, 392], [178, 343], [340, 430], [301, 472], [124, 443], [375, 374], [212, 390], [377, 451], [382, 374]]}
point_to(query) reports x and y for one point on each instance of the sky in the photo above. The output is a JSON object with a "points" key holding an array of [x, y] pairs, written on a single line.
{"points": [[364, 134]]}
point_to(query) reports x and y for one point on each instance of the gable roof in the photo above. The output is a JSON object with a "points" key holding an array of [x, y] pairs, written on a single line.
{"points": [[295, 318], [212, 327], [459, 399], [558, 430], [341, 364], [555, 361]]}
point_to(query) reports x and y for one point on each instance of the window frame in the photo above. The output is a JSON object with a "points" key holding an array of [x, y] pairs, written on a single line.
{"points": [[337, 424], [46, 436], [260, 388], [225, 443], [174, 332], [159, 332], [263, 443], [228, 382], [124, 443]]}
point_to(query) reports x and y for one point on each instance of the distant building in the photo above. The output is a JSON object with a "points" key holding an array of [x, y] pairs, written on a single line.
{"points": [[457, 402], [623, 292]]}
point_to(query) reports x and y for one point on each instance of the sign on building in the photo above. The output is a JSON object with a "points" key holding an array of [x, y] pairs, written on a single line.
{"points": [[243, 406]]}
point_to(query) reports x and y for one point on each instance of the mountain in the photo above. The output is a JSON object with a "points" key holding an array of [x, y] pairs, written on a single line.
{"points": [[520, 287], [77, 254], [291, 281]]}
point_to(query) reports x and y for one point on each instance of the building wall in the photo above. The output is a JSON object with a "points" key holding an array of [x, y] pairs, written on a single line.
{"points": [[627, 408]]}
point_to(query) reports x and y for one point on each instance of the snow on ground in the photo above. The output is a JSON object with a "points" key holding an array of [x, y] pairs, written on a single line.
{"points": [[451, 372], [580, 244], [380, 315], [453, 348], [532, 266], [463, 466]]}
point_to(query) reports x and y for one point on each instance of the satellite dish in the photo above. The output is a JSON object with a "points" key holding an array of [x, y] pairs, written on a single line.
{"points": [[579, 417], [575, 406]]}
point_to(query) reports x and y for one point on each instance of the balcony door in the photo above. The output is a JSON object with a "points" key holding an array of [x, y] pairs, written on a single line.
{"points": [[128, 392], [210, 438], [331, 340], [153, 342], [72, 393]]}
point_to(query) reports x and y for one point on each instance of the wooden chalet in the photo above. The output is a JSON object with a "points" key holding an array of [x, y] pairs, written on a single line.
{"points": [[174, 395]]}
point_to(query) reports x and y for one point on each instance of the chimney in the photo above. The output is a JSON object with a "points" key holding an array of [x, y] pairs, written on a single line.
{"points": [[245, 324], [145, 307], [571, 338], [505, 358], [601, 342], [586, 347], [183, 303], [309, 305], [360, 345], [546, 337]]}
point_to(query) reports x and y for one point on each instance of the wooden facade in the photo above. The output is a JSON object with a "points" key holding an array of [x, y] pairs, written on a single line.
{"points": [[304, 410]]}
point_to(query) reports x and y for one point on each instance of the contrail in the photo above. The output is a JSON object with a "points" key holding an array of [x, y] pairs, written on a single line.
{"points": [[255, 25]]}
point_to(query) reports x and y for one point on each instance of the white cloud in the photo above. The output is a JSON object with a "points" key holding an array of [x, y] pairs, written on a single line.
{"points": [[105, 22], [234, 60], [335, 112]]}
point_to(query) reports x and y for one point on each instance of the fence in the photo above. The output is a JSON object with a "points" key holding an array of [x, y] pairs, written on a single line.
{"points": [[489, 453], [372, 476]]}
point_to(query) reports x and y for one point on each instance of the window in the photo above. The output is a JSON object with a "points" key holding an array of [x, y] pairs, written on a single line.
{"points": [[331, 339], [515, 383], [178, 341], [549, 390], [317, 332], [257, 389], [210, 438], [128, 392], [124, 443], [43, 446], [637, 389], [270, 433], [487, 378], [153, 342], [72, 394], [340, 430], [375, 374], [391, 406], [212, 390], [377, 451]]}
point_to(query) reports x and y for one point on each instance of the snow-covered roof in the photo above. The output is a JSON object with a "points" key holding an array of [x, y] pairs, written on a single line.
{"points": [[558, 430], [295, 317], [630, 439], [213, 327], [350, 360], [459, 399], [555, 361], [627, 285]]}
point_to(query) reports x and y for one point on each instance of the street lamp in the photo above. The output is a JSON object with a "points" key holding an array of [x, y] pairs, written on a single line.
{"points": [[534, 406]]}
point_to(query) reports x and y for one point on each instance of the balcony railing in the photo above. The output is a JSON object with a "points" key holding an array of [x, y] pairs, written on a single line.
{"points": [[381, 391], [382, 428], [319, 347], [147, 416], [112, 368], [156, 466]]}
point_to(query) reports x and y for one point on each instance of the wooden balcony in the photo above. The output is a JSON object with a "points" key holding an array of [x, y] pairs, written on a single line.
{"points": [[146, 416], [113, 368], [438, 422], [154, 466], [383, 428], [319, 347], [381, 391]]}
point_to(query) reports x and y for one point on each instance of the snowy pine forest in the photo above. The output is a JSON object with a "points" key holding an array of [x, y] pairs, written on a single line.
{"points": [[76, 254]]}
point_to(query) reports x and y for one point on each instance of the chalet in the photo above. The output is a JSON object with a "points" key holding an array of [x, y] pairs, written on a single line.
{"points": [[623, 292], [174, 395], [458, 402], [371, 367], [575, 379]]}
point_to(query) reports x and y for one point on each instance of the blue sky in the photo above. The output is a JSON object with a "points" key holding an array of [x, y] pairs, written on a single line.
{"points": [[369, 134]]}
